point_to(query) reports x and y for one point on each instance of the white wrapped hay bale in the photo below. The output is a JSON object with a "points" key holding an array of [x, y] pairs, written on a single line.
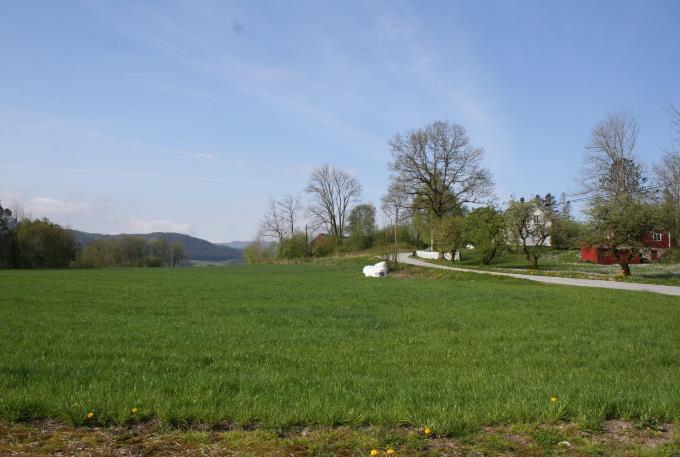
{"points": [[375, 271]]}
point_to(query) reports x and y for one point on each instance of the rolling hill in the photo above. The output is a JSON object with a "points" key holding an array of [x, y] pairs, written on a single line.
{"points": [[195, 248]]}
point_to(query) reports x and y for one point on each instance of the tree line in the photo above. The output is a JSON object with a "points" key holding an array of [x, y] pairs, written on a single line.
{"points": [[40, 243], [440, 195]]}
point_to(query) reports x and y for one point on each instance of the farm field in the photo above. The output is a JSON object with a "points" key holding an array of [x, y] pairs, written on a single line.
{"points": [[276, 346], [566, 263]]}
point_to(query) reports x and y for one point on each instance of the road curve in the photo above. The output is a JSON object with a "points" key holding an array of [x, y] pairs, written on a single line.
{"points": [[405, 257]]}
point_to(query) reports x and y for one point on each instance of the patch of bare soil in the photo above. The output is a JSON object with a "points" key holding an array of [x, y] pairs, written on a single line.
{"points": [[153, 439]]}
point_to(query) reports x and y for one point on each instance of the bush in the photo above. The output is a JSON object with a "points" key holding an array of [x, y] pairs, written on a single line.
{"points": [[153, 262], [259, 252], [672, 256], [293, 247]]}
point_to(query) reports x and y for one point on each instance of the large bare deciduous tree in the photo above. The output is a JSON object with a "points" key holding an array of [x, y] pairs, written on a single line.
{"points": [[333, 193], [674, 112], [290, 209], [281, 218], [614, 179], [273, 225], [667, 174], [438, 164], [611, 166]]}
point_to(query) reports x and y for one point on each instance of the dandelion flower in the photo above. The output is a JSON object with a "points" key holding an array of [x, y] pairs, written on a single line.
{"points": [[427, 431], [134, 410], [89, 415], [553, 398], [374, 452], [390, 452]]}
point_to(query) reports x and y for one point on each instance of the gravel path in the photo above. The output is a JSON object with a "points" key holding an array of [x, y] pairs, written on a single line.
{"points": [[405, 257]]}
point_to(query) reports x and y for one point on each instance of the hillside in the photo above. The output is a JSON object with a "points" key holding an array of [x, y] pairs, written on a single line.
{"points": [[237, 244], [195, 248]]}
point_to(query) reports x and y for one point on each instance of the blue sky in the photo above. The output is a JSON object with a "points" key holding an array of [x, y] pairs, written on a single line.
{"points": [[188, 115]]}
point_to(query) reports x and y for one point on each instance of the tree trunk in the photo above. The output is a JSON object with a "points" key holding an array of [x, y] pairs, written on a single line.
{"points": [[625, 269], [488, 257]]}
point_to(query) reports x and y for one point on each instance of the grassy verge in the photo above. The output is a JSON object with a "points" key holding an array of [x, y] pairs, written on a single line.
{"points": [[318, 345], [611, 438], [567, 264]]}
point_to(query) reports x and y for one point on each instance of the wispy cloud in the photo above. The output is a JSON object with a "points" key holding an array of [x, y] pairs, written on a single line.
{"points": [[150, 175], [206, 156], [160, 225], [51, 206]]}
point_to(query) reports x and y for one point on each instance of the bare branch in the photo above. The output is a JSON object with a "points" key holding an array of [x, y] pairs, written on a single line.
{"points": [[333, 194], [439, 164]]}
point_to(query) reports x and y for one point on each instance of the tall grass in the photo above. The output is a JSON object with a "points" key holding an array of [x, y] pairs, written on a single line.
{"points": [[281, 345]]}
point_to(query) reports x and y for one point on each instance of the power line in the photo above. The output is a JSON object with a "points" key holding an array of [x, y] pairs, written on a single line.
{"points": [[642, 189]]}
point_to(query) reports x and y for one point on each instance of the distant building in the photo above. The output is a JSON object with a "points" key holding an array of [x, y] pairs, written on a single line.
{"points": [[539, 217], [318, 242], [655, 244]]}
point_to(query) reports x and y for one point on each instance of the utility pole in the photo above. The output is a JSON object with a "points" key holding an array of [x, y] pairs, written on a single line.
{"points": [[306, 243], [396, 242]]}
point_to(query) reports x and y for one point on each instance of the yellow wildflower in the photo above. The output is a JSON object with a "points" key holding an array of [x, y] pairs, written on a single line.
{"points": [[427, 431], [553, 398], [374, 452], [134, 410], [89, 415], [390, 451]]}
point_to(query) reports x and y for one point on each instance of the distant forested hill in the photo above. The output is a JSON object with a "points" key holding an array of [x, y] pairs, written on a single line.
{"points": [[237, 244], [195, 248]]}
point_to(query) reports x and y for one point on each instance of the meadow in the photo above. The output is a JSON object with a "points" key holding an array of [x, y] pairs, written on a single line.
{"points": [[292, 345]]}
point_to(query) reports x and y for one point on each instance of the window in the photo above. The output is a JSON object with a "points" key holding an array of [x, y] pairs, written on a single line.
{"points": [[656, 237], [537, 219]]}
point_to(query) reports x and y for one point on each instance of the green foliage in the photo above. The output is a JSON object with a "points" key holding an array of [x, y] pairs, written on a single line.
{"points": [[529, 226], [9, 248], [485, 228], [43, 244], [449, 233], [130, 251], [319, 344], [622, 222], [154, 262], [293, 247], [672, 256], [361, 227], [566, 233], [259, 252]]}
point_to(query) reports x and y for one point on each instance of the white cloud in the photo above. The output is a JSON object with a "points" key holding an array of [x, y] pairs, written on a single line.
{"points": [[52, 207], [194, 155], [160, 225]]}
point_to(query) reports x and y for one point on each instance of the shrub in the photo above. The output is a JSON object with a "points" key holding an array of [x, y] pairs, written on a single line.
{"points": [[153, 262]]}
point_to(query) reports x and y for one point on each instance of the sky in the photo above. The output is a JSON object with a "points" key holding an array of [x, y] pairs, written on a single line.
{"points": [[188, 115]]}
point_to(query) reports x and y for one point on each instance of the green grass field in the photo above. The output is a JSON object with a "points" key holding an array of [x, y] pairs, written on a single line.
{"points": [[283, 345]]}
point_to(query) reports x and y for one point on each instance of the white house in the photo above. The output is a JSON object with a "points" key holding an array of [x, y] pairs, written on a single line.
{"points": [[538, 220]]}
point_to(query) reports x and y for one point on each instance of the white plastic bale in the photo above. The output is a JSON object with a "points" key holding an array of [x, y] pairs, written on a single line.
{"points": [[375, 271]]}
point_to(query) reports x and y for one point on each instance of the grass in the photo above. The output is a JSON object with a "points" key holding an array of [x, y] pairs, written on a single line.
{"points": [[619, 439], [566, 263], [279, 346]]}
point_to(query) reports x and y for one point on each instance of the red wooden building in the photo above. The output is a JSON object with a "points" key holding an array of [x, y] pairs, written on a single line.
{"points": [[654, 246]]}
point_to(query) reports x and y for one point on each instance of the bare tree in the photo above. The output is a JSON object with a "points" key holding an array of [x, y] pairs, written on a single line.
{"points": [[396, 204], [290, 208], [439, 164], [667, 174], [614, 179], [674, 112], [611, 166], [333, 192], [273, 223]]}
